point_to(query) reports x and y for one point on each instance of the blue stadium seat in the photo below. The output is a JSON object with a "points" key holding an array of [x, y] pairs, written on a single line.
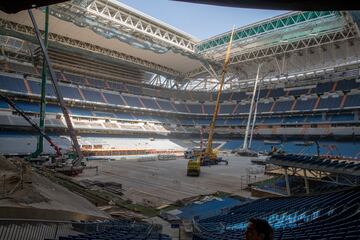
{"points": [[134, 89], [239, 96], [203, 122], [132, 101], [305, 105], [264, 92], [194, 107], [124, 116], [242, 108], [3, 105], [298, 92], [96, 83], [264, 107], [104, 114], [329, 103], [181, 107], [116, 86], [282, 106], [114, 98], [277, 92], [35, 88], [347, 85], [70, 92], [235, 122], [12, 84], [92, 95], [225, 96], [352, 100], [294, 119], [315, 119], [342, 118], [149, 103], [80, 112], [323, 87], [166, 105], [209, 109], [187, 122], [226, 108], [272, 120], [333, 215]]}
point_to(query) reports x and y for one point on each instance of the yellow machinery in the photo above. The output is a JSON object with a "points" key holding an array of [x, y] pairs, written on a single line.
{"points": [[208, 156]]}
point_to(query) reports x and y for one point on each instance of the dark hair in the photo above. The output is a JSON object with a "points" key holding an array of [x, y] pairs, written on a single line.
{"points": [[263, 227]]}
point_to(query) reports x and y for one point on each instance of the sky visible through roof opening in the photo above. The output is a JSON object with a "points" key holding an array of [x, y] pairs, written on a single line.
{"points": [[200, 20]]}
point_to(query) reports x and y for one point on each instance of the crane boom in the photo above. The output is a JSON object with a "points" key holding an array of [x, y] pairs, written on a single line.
{"points": [[32, 123], [216, 111]]}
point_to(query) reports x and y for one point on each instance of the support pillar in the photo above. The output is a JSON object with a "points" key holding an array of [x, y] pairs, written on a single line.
{"points": [[40, 143], [287, 182], [245, 146]]}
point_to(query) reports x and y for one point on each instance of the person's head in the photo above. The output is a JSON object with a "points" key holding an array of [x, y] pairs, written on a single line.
{"points": [[258, 229]]}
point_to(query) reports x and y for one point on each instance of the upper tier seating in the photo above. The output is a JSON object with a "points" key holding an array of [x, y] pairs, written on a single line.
{"points": [[277, 92], [166, 105], [352, 100], [347, 85], [194, 108], [35, 88], [12, 84], [330, 216], [305, 105], [323, 87], [209, 109], [70, 92], [239, 96], [264, 107], [134, 89], [114, 98], [330, 102], [297, 92], [226, 108], [133, 101], [242, 108], [150, 103], [92, 95], [282, 106], [181, 107]]}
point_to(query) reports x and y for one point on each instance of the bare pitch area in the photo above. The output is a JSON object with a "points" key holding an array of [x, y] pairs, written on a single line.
{"points": [[161, 182]]}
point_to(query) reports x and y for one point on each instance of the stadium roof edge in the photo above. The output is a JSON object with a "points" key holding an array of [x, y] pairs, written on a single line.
{"points": [[153, 19]]}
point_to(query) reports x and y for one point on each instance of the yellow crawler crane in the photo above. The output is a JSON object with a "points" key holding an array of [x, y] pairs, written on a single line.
{"points": [[208, 156]]}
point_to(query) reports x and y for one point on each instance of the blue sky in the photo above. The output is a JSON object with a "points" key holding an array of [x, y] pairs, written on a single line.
{"points": [[199, 20]]}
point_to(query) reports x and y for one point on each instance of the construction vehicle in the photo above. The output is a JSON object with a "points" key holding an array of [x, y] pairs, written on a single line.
{"points": [[59, 160], [70, 164], [208, 156]]}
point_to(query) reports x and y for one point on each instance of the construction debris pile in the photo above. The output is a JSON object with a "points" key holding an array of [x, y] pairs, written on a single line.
{"points": [[112, 187], [16, 181]]}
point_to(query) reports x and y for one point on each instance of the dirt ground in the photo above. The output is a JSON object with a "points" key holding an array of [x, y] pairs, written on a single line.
{"points": [[39, 192], [156, 183]]}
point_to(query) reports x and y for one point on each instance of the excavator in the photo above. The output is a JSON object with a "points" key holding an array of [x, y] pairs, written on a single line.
{"points": [[209, 156]]}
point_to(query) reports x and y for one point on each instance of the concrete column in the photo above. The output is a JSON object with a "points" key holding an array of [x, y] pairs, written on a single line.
{"points": [[306, 182], [287, 182]]}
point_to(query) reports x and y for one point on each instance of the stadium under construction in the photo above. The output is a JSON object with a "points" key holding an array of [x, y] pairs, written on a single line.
{"points": [[115, 125]]}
